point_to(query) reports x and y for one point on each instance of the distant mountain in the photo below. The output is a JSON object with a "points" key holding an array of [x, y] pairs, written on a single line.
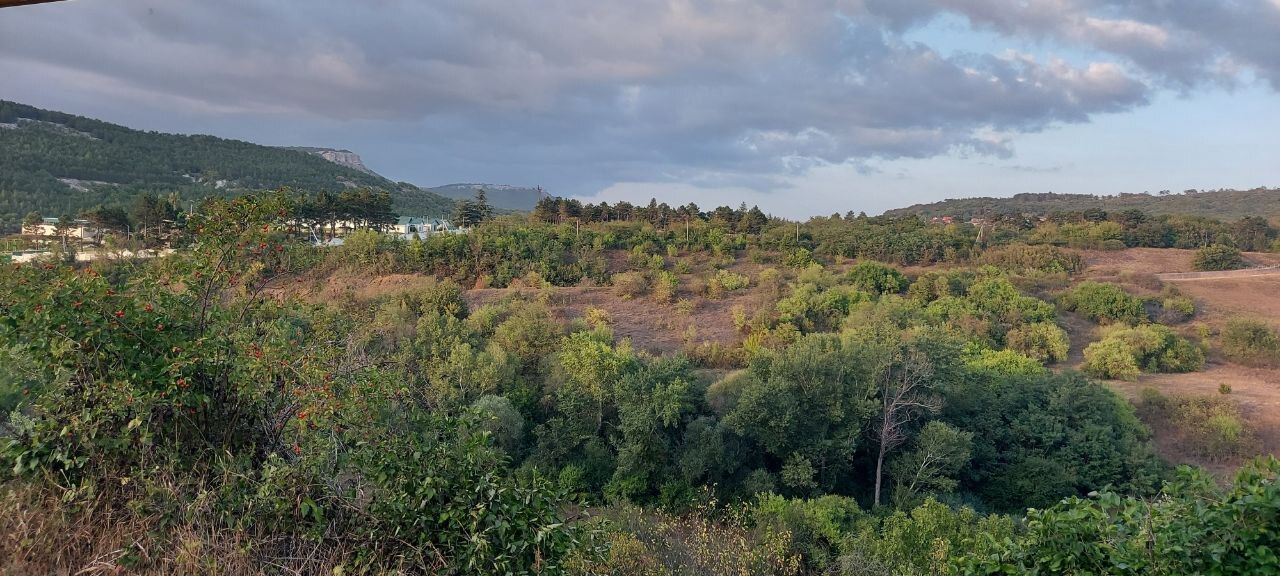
{"points": [[56, 163], [501, 196], [1221, 204]]}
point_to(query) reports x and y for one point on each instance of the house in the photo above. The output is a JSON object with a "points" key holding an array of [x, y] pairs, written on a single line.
{"points": [[442, 225], [83, 230], [409, 227]]}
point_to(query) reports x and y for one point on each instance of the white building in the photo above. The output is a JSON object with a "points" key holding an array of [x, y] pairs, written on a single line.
{"points": [[410, 227], [79, 230]]}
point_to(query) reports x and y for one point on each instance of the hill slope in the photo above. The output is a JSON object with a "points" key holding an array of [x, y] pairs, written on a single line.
{"points": [[56, 163], [501, 196], [1223, 204]]}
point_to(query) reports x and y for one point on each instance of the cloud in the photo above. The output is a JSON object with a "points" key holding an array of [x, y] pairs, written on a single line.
{"points": [[580, 92], [1180, 44]]}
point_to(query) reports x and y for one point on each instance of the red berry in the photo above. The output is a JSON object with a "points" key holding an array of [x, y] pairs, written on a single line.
{"points": [[119, 313], [148, 308]]}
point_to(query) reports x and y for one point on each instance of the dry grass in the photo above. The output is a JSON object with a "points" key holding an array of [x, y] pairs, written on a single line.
{"points": [[1255, 391], [40, 534], [651, 325], [1155, 260]]}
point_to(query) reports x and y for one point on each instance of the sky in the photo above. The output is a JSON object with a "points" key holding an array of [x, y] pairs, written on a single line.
{"points": [[803, 107]]}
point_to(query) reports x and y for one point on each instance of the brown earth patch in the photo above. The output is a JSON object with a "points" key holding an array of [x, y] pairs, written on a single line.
{"points": [[1256, 391], [650, 325], [1156, 260], [1257, 297]]}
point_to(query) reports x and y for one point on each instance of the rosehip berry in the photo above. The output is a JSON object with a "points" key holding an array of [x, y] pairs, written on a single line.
{"points": [[119, 313]]}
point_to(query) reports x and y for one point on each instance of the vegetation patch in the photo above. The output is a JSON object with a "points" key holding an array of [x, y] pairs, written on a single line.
{"points": [[1250, 342], [1124, 353], [1218, 257], [1209, 427], [1104, 303]]}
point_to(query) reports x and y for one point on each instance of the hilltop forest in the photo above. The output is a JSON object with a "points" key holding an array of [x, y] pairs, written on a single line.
{"points": [[1221, 204], [846, 395]]}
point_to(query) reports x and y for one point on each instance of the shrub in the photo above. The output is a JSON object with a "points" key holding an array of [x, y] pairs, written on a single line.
{"points": [[1196, 526], [1175, 306], [1218, 257], [1250, 342], [771, 280], [1005, 362], [1123, 352], [1024, 260], [933, 285], [1210, 427], [666, 286], [598, 317], [799, 258], [725, 281], [1043, 341], [1104, 303], [630, 284], [731, 281], [876, 278], [1111, 359]]}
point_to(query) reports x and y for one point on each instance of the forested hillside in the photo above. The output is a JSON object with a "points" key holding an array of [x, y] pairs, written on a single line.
{"points": [[56, 163], [1221, 204]]}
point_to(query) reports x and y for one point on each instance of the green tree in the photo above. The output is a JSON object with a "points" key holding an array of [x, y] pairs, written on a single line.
{"points": [[813, 399], [31, 219], [1218, 257], [938, 453]]}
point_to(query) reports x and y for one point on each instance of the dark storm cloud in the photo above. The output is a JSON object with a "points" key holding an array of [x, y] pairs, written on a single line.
{"points": [[709, 91]]}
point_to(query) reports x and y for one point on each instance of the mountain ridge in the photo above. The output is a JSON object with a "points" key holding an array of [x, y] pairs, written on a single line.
{"points": [[1221, 204], [57, 163], [501, 196]]}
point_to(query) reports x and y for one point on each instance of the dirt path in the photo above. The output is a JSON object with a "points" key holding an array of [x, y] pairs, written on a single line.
{"points": [[1220, 275]]}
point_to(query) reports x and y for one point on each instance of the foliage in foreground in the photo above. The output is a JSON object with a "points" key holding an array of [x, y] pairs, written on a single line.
{"points": [[1194, 526], [179, 394]]}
